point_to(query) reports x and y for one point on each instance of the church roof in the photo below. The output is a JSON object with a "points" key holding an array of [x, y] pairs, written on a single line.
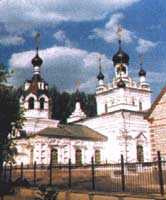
{"points": [[72, 131], [111, 113], [156, 101]]}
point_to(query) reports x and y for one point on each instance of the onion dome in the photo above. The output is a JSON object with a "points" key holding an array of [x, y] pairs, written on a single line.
{"points": [[100, 76], [142, 72], [37, 61], [121, 84], [120, 56]]}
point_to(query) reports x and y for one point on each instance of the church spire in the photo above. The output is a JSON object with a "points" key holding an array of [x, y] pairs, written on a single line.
{"points": [[120, 59], [142, 72], [119, 35], [100, 76], [78, 113], [77, 93], [37, 61], [120, 56]]}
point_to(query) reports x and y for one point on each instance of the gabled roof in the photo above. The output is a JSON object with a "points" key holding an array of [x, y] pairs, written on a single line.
{"points": [[141, 134], [109, 113], [162, 92], [72, 131]]}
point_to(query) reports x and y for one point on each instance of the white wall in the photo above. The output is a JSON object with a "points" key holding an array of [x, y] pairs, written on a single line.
{"points": [[112, 125], [66, 149]]}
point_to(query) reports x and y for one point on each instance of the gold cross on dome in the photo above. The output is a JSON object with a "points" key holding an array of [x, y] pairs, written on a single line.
{"points": [[141, 58], [99, 59], [37, 39], [77, 85], [119, 32]]}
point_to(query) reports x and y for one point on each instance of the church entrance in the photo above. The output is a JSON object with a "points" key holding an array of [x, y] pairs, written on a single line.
{"points": [[78, 157], [54, 156]]}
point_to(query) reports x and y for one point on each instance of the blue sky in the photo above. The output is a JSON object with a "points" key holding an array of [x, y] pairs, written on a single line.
{"points": [[75, 32]]}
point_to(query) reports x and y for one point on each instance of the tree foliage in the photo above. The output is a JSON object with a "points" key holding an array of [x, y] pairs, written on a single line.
{"points": [[9, 113], [63, 104]]}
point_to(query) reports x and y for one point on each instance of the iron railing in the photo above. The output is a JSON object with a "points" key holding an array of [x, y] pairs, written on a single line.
{"points": [[147, 177]]}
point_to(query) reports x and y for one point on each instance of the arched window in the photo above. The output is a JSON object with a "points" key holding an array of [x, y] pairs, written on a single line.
{"points": [[78, 157], [97, 156], [42, 103], [140, 105], [31, 103], [54, 156], [140, 153]]}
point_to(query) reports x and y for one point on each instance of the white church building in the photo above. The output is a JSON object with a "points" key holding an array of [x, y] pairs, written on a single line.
{"points": [[119, 128], [121, 109]]}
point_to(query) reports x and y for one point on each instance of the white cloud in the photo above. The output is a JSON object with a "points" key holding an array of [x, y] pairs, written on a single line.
{"points": [[62, 66], [60, 36], [11, 40], [21, 15], [145, 45], [109, 32], [62, 39]]}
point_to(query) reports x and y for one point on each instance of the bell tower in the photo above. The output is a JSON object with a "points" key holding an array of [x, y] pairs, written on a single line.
{"points": [[123, 93], [35, 98]]}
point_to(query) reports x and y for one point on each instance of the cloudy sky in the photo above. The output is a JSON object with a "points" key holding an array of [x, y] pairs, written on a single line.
{"points": [[75, 32]]}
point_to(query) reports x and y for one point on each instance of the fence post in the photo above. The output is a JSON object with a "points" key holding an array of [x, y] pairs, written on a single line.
{"points": [[10, 173], [160, 173], [69, 170], [51, 171], [21, 170], [34, 173], [93, 173], [122, 174], [5, 172]]}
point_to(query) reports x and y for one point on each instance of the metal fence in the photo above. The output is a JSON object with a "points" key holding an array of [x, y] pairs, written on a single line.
{"points": [[147, 177]]}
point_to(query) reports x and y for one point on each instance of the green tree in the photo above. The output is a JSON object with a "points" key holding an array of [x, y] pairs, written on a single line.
{"points": [[10, 112], [55, 103], [63, 104]]}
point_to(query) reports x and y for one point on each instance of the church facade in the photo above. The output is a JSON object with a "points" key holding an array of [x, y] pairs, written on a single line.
{"points": [[124, 124]]}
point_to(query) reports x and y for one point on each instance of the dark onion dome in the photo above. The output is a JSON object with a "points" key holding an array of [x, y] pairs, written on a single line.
{"points": [[142, 72], [77, 96], [100, 76], [37, 61], [120, 56], [121, 84]]}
